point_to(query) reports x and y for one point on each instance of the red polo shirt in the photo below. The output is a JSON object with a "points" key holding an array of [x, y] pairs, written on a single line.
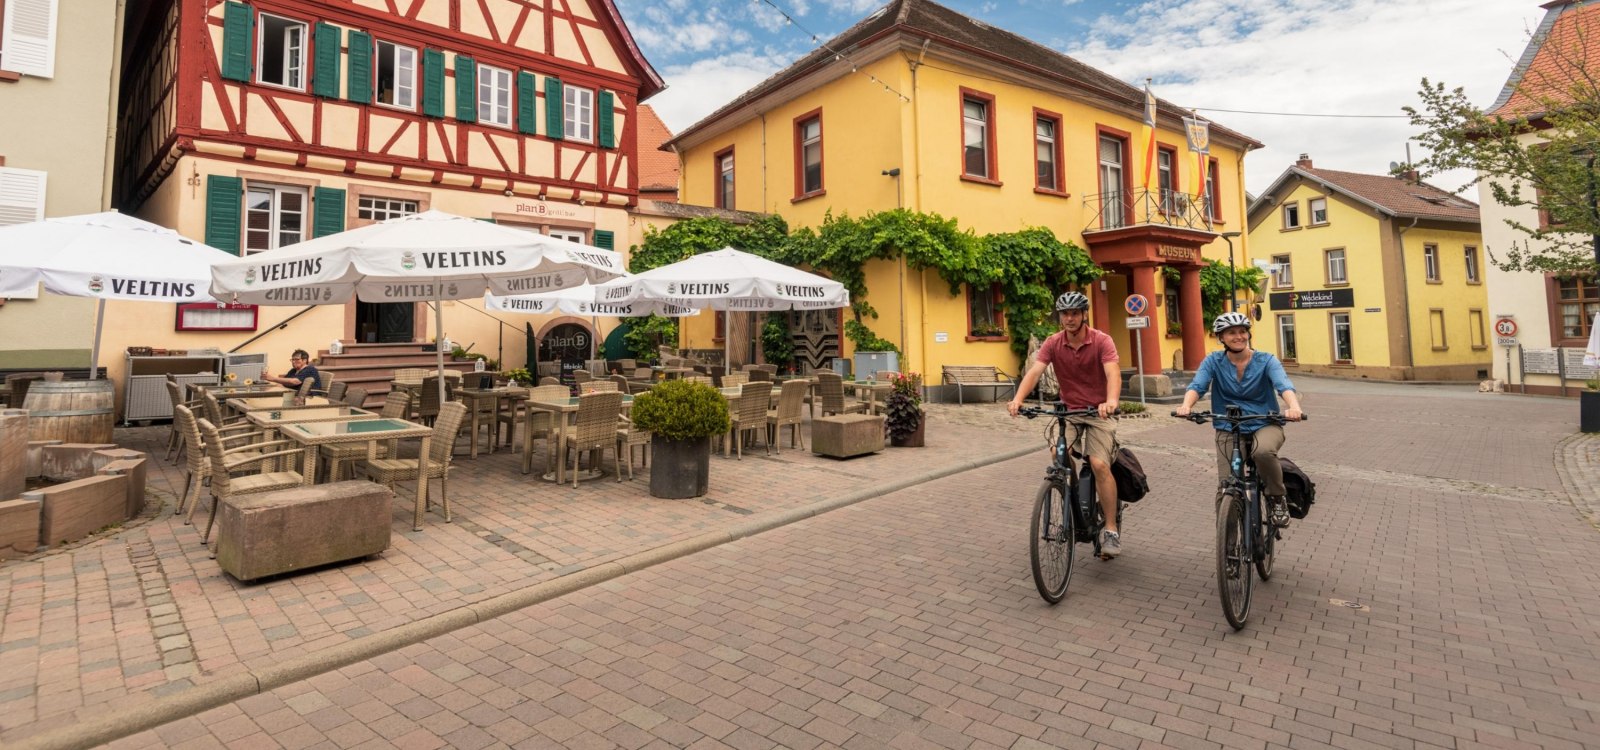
{"points": [[1080, 371]]}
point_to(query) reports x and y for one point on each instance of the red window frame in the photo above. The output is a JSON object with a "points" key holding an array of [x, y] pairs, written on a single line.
{"points": [[1553, 302], [996, 299], [1214, 198], [716, 178], [800, 122], [991, 152], [255, 316], [1059, 154]]}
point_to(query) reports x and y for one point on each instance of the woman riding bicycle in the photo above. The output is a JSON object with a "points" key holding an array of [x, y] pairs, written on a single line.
{"points": [[1085, 362], [1252, 380]]}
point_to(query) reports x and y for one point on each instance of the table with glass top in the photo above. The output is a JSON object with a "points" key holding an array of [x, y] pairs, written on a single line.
{"points": [[246, 405], [563, 409], [370, 431], [872, 388], [272, 418]]}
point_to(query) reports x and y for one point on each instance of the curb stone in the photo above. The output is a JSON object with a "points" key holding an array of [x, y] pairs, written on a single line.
{"points": [[117, 724]]}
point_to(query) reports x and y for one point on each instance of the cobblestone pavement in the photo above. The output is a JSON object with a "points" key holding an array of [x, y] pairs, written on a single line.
{"points": [[875, 626]]}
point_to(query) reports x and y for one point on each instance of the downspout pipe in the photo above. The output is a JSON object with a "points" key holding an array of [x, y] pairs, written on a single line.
{"points": [[1405, 288]]}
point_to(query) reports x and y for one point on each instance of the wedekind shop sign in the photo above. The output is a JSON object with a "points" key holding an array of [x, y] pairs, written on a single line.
{"points": [[1314, 300]]}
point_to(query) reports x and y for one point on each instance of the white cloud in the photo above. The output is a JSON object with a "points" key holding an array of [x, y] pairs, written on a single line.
{"points": [[699, 88], [1344, 57]]}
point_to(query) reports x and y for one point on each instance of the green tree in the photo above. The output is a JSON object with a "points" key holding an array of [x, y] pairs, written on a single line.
{"points": [[1542, 156]]}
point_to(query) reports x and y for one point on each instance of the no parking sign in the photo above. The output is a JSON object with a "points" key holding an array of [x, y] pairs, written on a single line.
{"points": [[1136, 304]]}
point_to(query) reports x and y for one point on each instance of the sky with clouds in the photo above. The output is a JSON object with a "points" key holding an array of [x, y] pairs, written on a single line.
{"points": [[1308, 57]]}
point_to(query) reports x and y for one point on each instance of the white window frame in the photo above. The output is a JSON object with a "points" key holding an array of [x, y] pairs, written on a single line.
{"points": [[1283, 273], [573, 235], [1113, 204], [494, 96], [1430, 263], [404, 91], [1334, 324], [975, 125], [1343, 274], [1317, 206], [1286, 325], [293, 68], [1044, 151], [577, 113], [1469, 254], [1291, 215], [380, 208], [275, 216]]}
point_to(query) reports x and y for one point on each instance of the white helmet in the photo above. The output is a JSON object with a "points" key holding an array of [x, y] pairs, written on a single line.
{"points": [[1230, 320]]}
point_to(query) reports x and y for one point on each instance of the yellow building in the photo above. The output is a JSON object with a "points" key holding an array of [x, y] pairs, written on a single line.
{"points": [[58, 62], [1371, 276], [255, 125], [920, 107]]}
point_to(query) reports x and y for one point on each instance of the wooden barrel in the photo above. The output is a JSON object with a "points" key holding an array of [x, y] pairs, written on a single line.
{"points": [[13, 453], [72, 411]]}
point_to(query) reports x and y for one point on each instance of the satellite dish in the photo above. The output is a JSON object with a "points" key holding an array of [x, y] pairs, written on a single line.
{"points": [[1394, 166]]}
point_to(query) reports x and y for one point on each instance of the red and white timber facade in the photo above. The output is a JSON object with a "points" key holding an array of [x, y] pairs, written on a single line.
{"points": [[258, 124]]}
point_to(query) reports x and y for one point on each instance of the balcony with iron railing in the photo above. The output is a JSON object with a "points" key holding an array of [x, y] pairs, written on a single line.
{"points": [[1154, 208]]}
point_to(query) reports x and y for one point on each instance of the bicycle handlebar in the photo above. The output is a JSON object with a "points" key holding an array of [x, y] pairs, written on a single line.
{"points": [[1201, 417], [1034, 411]]}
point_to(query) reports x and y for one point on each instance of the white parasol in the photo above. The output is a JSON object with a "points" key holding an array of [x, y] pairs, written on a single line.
{"points": [[584, 300], [104, 256], [431, 256]]}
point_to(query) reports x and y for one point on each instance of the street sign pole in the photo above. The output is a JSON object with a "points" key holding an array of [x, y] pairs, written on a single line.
{"points": [[1138, 346]]}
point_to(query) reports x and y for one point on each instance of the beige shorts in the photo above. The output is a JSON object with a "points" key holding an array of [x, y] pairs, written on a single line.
{"points": [[1099, 436]]}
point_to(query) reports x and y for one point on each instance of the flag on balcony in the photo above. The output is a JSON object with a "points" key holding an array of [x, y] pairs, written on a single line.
{"points": [[1149, 132], [1198, 133]]}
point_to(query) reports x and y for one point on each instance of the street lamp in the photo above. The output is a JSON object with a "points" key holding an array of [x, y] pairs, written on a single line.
{"points": [[1233, 285]]}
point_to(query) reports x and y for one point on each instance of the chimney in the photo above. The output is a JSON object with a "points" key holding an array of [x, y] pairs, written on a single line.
{"points": [[1304, 162], [1411, 177]]}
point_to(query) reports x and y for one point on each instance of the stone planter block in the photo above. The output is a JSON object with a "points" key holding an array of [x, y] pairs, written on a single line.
{"points": [[77, 509], [13, 453], [278, 532], [847, 435], [1154, 385], [68, 461], [36, 456], [19, 528], [134, 470]]}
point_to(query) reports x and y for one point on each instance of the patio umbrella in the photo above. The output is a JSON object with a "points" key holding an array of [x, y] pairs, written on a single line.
{"points": [[104, 256], [427, 257], [583, 300], [729, 280]]}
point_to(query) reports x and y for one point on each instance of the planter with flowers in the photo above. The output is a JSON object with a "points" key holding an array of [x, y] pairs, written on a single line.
{"points": [[906, 421]]}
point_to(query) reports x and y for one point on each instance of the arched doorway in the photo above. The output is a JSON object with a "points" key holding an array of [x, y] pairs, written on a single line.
{"points": [[568, 342]]}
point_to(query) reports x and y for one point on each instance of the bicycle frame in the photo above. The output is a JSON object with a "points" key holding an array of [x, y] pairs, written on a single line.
{"points": [[1079, 495]]}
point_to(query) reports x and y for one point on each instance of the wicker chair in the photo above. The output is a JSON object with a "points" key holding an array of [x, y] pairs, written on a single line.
{"points": [[599, 386], [541, 424], [549, 380], [394, 407], [225, 464], [356, 397], [582, 376], [225, 425], [702, 379], [410, 374], [388, 471], [790, 398], [759, 375], [627, 365], [623, 386], [428, 405], [337, 389], [751, 415], [735, 378], [830, 391], [596, 428], [198, 463], [629, 437], [176, 446]]}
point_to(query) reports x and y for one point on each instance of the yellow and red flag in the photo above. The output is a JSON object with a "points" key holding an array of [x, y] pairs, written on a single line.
{"points": [[1149, 132]]}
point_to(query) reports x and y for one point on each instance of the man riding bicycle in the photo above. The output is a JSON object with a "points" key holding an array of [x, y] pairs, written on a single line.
{"points": [[1240, 376], [1085, 364]]}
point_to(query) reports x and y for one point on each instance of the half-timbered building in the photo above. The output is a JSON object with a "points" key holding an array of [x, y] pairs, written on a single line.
{"points": [[259, 124]]}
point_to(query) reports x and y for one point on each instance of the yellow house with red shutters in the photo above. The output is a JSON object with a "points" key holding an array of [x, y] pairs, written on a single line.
{"points": [[921, 107]]}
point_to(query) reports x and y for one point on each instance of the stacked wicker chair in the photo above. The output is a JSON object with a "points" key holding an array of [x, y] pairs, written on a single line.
{"points": [[596, 428], [388, 471], [628, 438], [337, 389], [176, 446], [428, 406], [790, 399], [357, 397], [225, 464], [751, 415], [735, 378]]}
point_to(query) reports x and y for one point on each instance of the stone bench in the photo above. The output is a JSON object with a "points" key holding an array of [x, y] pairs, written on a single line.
{"points": [[277, 532], [847, 435]]}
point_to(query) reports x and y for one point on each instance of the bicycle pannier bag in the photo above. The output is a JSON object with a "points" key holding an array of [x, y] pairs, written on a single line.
{"points": [[1132, 485], [1298, 487]]}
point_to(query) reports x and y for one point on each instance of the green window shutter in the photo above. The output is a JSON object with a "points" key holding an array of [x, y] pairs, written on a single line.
{"points": [[325, 72], [224, 201], [238, 26], [527, 121], [466, 89], [554, 116], [490, 220], [603, 116], [605, 240], [329, 208], [360, 54], [433, 83]]}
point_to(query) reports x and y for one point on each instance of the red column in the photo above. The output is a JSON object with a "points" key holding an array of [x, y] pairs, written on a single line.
{"points": [[1195, 326], [1144, 284], [1099, 313]]}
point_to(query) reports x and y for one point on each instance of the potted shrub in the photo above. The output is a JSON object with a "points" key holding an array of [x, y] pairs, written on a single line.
{"points": [[682, 417], [521, 376], [1589, 406], [906, 421]]}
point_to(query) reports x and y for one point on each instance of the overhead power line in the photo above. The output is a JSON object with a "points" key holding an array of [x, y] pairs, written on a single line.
{"points": [[816, 40]]}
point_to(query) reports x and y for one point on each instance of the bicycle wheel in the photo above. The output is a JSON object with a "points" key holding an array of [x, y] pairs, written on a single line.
{"points": [[1266, 539], [1051, 542], [1233, 569]]}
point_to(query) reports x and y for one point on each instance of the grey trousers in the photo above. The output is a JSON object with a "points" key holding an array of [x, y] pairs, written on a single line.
{"points": [[1268, 440]]}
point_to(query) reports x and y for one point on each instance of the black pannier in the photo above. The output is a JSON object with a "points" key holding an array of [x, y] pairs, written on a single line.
{"points": [[1299, 489], [1132, 485]]}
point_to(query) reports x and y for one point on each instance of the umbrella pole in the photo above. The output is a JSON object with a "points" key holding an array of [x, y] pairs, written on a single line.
{"points": [[438, 334], [94, 353]]}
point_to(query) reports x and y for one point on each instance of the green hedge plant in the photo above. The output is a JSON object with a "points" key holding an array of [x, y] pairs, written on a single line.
{"points": [[681, 410]]}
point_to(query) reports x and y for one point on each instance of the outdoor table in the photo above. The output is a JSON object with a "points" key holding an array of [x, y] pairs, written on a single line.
{"points": [[872, 388], [563, 409], [472, 397], [273, 418], [310, 435], [275, 403], [231, 391], [672, 372]]}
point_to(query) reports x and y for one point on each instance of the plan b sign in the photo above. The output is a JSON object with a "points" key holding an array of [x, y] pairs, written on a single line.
{"points": [[1505, 331]]}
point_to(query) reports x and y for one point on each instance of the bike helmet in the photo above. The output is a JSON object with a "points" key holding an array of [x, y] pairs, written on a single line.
{"points": [[1072, 301], [1230, 320]]}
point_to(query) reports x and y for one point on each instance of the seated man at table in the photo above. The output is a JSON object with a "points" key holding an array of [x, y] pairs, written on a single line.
{"points": [[300, 370]]}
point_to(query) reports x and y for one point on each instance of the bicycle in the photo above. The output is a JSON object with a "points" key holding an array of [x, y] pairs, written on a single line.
{"points": [[1238, 512], [1058, 525]]}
